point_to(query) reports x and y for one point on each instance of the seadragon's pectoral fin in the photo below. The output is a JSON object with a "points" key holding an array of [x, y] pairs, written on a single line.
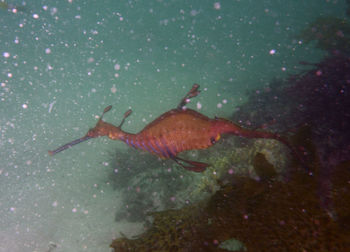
{"points": [[193, 165]]}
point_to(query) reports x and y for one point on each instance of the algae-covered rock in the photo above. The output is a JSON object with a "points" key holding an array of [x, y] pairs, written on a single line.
{"points": [[265, 215], [233, 245], [263, 168]]}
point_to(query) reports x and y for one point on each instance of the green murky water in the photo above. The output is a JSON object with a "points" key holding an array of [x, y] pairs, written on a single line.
{"points": [[62, 62]]}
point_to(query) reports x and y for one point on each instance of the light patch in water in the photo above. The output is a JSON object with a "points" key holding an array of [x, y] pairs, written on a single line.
{"points": [[113, 89]]}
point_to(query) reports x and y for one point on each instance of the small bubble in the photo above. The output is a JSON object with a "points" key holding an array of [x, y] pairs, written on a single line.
{"points": [[113, 89], [117, 67], [272, 51], [217, 6]]}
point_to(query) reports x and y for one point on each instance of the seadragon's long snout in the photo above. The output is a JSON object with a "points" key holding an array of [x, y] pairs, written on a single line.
{"points": [[69, 145]]}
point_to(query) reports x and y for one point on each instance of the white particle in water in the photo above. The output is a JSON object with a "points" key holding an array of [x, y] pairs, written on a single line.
{"points": [[217, 6], [113, 89], [6, 54], [35, 16], [272, 51], [24, 106], [51, 106], [199, 105]]}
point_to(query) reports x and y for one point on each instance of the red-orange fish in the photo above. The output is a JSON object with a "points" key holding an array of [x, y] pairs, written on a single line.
{"points": [[175, 131]]}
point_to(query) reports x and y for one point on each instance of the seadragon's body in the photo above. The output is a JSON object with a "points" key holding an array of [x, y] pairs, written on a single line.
{"points": [[175, 131]]}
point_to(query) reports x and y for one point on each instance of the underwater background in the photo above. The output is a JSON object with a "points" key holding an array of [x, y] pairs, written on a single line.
{"points": [[278, 65]]}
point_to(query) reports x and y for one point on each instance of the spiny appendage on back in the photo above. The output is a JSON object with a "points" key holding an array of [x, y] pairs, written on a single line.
{"points": [[173, 132]]}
